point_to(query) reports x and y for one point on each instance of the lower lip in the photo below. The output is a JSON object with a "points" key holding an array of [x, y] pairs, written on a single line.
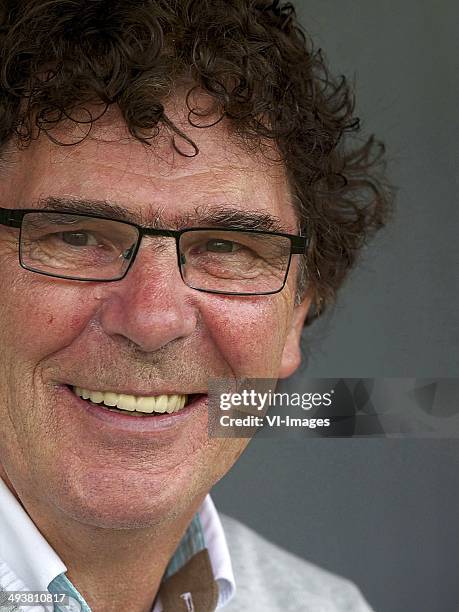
{"points": [[133, 423]]}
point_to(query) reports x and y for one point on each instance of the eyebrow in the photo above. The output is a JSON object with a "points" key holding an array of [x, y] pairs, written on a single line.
{"points": [[202, 215]]}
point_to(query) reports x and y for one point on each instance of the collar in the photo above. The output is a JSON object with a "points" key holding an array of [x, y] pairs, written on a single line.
{"points": [[220, 559], [22, 547], [29, 557]]}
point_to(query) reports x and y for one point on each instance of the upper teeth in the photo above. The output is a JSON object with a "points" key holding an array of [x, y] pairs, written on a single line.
{"points": [[158, 403]]}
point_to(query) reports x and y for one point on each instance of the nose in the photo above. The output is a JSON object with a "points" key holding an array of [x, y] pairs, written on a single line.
{"points": [[151, 306]]}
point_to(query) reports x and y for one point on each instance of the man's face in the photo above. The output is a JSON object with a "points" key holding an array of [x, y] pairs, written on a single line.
{"points": [[147, 334]]}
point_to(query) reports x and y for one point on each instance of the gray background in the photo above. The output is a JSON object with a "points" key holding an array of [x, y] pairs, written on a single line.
{"points": [[384, 513]]}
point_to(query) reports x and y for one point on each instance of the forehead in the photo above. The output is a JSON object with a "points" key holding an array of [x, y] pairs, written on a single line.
{"points": [[111, 165]]}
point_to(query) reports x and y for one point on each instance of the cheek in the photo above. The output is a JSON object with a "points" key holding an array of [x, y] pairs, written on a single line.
{"points": [[41, 317], [249, 333]]}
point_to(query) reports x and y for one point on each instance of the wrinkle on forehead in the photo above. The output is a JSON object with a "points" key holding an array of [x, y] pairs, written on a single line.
{"points": [[111, 129], [111, 164]]}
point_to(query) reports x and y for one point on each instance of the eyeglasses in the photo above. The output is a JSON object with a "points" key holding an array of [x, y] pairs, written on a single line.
{"points": [[94, 248]]}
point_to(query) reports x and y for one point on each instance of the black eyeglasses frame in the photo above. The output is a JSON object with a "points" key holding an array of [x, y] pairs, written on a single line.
{"points": [[14, 218]]}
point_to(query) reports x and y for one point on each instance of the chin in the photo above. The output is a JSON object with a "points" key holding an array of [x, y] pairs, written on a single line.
{"points": [[129, 502], [109, 512]]}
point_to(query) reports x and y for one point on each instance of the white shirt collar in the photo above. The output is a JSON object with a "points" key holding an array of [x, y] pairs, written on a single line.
{"points": [[26, 553], [23, 548], [220, 560]]}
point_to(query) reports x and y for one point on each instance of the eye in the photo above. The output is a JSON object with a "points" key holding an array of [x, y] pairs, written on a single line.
{"points": [[78, 239], [221, 246]]}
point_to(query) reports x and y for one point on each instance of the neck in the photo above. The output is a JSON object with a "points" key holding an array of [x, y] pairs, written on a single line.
{"points": [[120, 570], [113, 569]]}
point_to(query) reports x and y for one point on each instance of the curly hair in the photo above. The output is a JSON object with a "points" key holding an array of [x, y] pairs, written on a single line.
{"points": [[251, 57]]}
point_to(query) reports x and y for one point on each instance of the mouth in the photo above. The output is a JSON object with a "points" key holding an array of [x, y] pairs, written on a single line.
{"points": [[135, 405]]}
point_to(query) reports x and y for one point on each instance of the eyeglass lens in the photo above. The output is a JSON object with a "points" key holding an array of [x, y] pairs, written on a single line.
{"points": [[89, 248]]}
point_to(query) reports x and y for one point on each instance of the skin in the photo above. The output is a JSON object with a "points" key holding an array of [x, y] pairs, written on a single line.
{"points": [[91, 491]]}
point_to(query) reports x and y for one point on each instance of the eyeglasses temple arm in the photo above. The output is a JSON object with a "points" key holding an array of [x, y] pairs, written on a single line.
{"points": [[11, 218], [299, 245]]}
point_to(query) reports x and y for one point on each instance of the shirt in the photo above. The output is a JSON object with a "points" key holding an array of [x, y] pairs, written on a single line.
{"points": [[29, 563]]}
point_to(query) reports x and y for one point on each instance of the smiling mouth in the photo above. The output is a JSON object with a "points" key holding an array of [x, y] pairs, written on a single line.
{"points": [[134, 404]]}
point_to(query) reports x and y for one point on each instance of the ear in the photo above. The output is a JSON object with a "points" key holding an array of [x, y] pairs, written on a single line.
{"points": [[291, 356]]}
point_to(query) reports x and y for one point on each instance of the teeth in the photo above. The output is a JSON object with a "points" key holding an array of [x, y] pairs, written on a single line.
{"points": [[126, 402], [110, 399], [146, 404], [161, 404], [96, 397], [132, 403]]}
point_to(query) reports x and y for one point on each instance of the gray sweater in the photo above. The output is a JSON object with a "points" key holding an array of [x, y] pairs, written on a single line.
{"points": [[269, 579]]}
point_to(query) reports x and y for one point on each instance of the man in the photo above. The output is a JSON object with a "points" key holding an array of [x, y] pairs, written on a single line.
{"points": [[127, 127]]}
